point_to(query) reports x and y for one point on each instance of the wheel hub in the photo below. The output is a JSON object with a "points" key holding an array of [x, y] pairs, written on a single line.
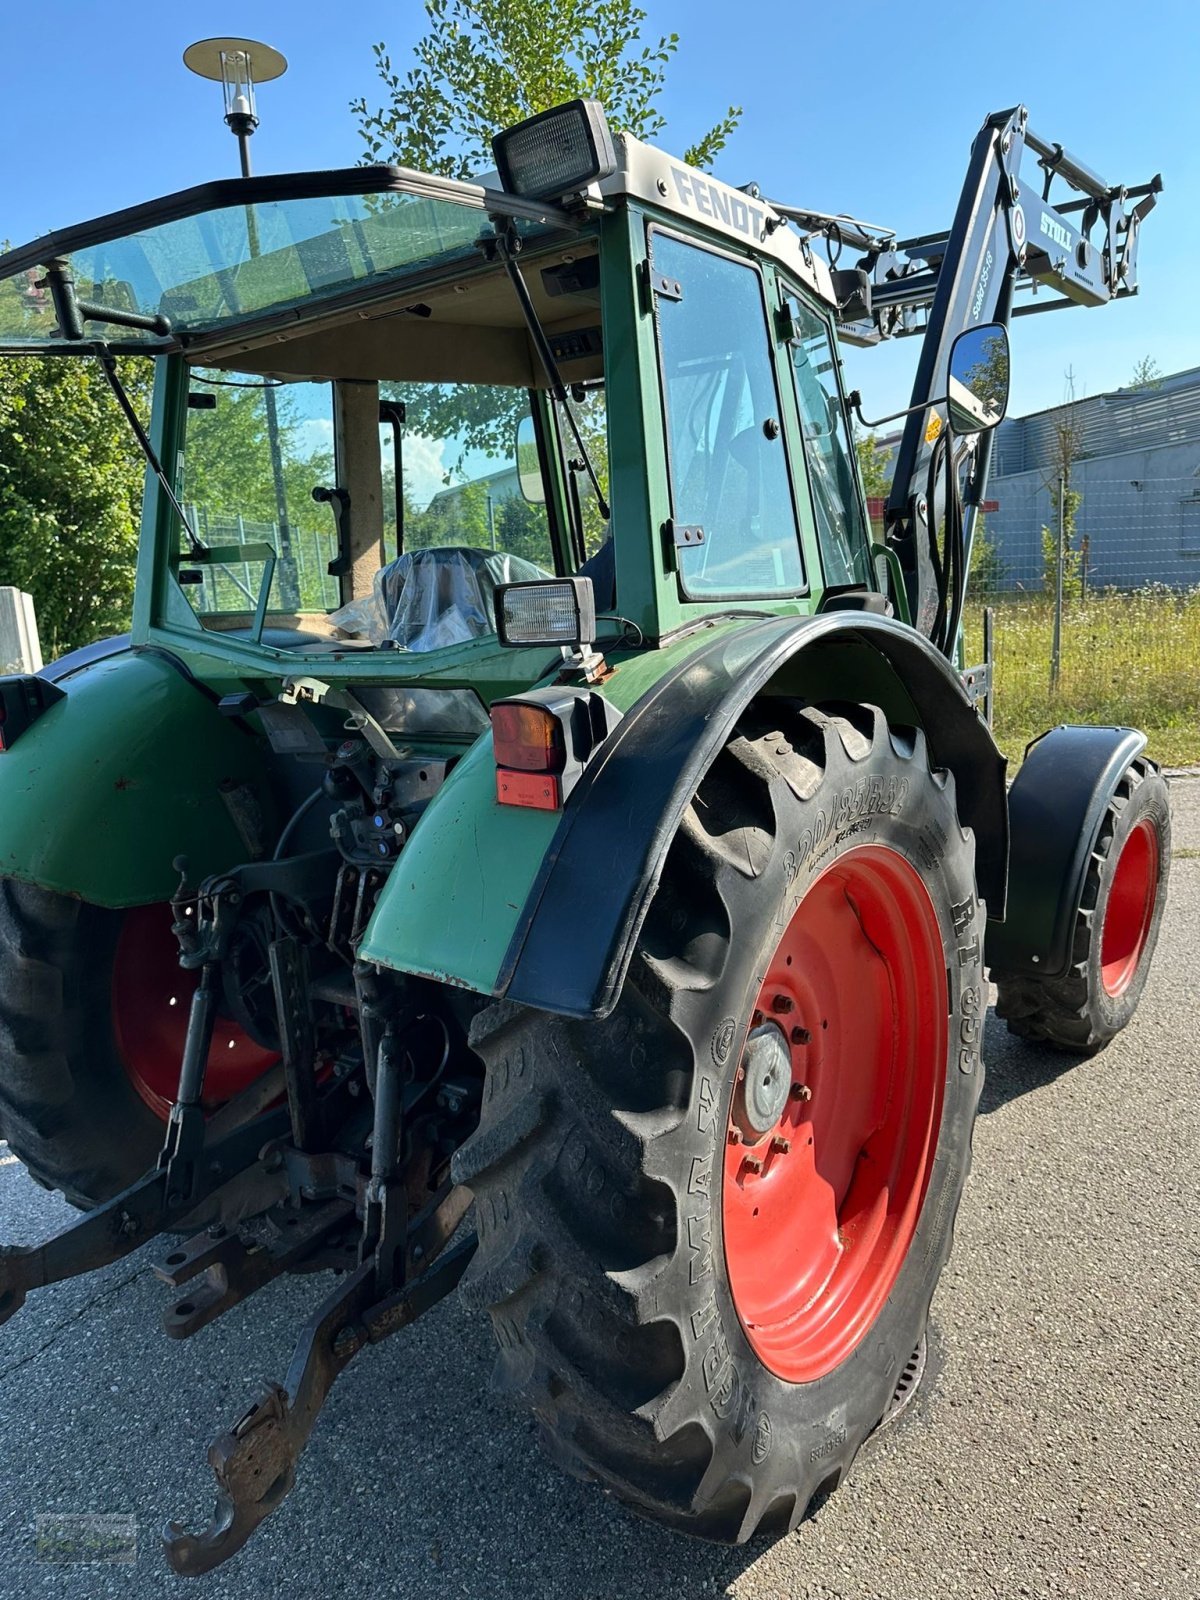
{"points": [[764, 1082]]}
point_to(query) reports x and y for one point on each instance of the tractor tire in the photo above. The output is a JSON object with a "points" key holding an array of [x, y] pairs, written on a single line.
{"points": [[93, 1011], [1116, 927], [708, 1285]]}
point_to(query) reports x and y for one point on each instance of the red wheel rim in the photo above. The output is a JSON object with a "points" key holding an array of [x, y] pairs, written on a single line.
{"points": [[819, 1212], [1130, 909], [151, 997]]}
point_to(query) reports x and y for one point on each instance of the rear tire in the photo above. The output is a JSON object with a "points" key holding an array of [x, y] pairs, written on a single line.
{"points": [[605, 1201], [1116, 928], [87, 1063]]}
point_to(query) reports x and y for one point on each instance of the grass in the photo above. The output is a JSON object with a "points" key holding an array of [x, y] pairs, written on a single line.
{"points": [[1131, 659]]}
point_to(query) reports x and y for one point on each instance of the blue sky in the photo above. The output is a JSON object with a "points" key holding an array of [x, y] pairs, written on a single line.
{"points": [[868, 108]]}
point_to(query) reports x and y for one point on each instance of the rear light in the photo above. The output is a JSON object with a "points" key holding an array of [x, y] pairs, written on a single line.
{"points": [[543, 741], [529, 738]]}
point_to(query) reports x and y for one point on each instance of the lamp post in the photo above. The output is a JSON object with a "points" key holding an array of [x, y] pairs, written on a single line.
{"points": [[237, 65]]}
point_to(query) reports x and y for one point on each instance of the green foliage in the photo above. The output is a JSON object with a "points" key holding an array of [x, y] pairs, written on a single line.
{"points": [[484, 65], [70, 494], [988, 571], [227, 461], [988, 380], [874, 465], [1147, 374]]}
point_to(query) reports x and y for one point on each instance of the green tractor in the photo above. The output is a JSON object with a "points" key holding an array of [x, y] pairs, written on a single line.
{"points": [[570, 865]]}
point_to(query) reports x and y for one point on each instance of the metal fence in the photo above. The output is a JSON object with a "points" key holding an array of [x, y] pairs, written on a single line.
{"points": [[234, 586]]}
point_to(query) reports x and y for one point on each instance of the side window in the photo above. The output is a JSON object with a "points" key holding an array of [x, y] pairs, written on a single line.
{"points": [[728, 465], [251, 459], [828, 453]]}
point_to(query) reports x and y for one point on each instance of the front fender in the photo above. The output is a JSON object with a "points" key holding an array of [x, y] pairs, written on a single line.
{"points": [[547, 911], [133, 767], [1056, 806]]}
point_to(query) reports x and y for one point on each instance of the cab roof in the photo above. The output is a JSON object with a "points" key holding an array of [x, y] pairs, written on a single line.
{"points": [[219, 268]]}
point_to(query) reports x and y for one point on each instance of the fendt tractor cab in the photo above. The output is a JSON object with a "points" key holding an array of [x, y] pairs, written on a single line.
{"points": [[565, 856]]}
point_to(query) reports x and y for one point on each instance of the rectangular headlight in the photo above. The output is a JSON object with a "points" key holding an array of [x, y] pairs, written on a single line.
{"points": [[557, 153], [549, 611]]}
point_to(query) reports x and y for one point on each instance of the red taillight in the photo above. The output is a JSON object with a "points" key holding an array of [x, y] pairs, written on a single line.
{"points": [[527, 738]]}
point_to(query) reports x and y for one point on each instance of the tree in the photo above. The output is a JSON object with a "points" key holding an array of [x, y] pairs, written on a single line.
{"points": [[875, 466], [1147, 374], [481, 66], [71, 480], [1066, 448], [484, 65], [227, 462]]}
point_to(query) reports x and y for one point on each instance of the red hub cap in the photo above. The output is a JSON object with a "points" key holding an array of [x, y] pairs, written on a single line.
{"points": [[151, 997], [1130, 909], [836, 1113]]}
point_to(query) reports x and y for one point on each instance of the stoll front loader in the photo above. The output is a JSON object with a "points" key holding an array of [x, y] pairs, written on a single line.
{"points": [[602, 923]]}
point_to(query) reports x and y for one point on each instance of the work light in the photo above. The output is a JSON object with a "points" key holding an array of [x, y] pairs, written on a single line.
{"points": [[557, 153], [548, 611]]}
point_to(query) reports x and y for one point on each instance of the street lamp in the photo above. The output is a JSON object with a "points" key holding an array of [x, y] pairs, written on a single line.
{"points": [[237, 64]]}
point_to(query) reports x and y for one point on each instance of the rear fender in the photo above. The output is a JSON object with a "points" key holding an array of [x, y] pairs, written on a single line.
{"points": [[132, 767], [1056, 807], [547, 911]]}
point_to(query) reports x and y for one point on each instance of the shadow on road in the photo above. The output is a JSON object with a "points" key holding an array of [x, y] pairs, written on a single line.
{"points": [[1012, 1067]]}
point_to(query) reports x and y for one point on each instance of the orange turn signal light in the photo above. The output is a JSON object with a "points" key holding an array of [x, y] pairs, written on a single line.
{"points": [[527, 738]]}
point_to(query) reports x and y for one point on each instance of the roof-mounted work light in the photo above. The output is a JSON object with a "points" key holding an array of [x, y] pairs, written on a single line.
{"points": [[557, 153]]}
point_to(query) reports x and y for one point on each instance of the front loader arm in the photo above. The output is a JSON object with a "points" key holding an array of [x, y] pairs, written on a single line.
{"points": [[1007, 240]]}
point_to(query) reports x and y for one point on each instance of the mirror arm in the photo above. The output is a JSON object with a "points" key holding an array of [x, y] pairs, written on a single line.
{"points": [[854, 401]]}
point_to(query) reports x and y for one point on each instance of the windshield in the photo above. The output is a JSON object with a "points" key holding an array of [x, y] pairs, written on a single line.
{"points": [[221, 265]]}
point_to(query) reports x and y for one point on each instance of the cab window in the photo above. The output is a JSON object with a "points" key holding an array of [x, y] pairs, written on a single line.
{"points": [[828, 454], [728, 463]]}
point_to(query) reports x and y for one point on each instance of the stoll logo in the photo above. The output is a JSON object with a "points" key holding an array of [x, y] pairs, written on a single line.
{"points": [[1053, 229]]}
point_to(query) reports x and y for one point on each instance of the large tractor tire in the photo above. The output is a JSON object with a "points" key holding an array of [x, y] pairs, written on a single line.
{"points": [[93, 1013], [710, 1225], [1116, 927]]}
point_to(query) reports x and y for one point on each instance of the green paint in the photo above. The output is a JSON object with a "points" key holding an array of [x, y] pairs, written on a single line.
{"points": [[452, 903], [112, 783], [450, 906]]}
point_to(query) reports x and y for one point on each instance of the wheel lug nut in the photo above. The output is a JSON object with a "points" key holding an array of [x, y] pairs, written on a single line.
{"points": [[801, 1091], [753, 1163], [780, 1145], [782, 1004], [801, 1036], [735, 1136], [756, 1020]]}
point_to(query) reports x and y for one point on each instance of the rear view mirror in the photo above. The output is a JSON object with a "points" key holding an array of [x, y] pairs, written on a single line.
{"points": [[977, 384], [529, 463]]}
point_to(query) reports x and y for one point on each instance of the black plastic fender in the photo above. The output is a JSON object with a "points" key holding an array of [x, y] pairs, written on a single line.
{"points": [[576, 935], [1056, 805]]}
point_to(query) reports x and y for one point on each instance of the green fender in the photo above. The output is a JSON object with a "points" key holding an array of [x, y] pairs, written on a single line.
{"points": [[456, 897], [134, 767], [544, 907]]}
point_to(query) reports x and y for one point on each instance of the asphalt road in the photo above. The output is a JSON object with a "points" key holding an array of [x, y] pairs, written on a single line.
{"points": [[1052, 1451]]}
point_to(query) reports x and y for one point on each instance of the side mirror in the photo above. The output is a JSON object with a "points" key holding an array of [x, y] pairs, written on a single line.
{"points": [[977, 382], [529, 464]]}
